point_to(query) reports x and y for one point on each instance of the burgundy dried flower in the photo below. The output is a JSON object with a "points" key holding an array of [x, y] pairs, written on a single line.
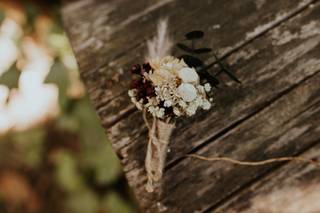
{"points": [[136, 83], [136, 69], [149, 90], [144, 88], [146, 68]]}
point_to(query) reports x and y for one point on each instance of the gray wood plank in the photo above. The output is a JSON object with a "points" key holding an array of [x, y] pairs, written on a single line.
{"points": [[107, 42], [251, 139], [288, 127], [267, 74], [293, 188]]}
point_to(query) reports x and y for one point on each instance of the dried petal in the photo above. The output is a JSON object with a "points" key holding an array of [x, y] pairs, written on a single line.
{"points": [[188, 75], [187, 92]]}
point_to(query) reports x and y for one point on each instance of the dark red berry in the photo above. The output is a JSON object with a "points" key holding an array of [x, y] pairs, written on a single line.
{"points": [[150, 91], [146, 68], [136, 69], [136, 83]]}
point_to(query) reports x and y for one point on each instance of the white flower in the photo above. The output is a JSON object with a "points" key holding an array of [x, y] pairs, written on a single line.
{"points": [[182, 104], [165, 70], [188, 75], [176, 85], [151, 102], [206, 105], [191, 109], [200, 89], [152, 110], [187, 92], [198, 101], [168, 62], [161, 76], [134, 100], [132, 93], [139, 105], [167, 103], [207, 87], [160, 113], [156, 111], [176, 111]]}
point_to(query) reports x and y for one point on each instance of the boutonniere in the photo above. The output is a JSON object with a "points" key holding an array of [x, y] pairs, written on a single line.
{"points": [[167, 87]]}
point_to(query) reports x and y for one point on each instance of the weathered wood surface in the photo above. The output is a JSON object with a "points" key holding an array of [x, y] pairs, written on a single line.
{"points": [[274, 48]]}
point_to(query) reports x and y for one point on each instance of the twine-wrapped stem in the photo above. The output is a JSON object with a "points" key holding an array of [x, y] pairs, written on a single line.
{"points": [[159, 137]]}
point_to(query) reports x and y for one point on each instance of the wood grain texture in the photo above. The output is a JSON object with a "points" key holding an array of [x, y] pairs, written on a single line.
{"points": [[274, 48], [293, 188]]}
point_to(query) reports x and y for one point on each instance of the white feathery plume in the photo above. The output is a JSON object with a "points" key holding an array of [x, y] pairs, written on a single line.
{"points": [[160, 45]]}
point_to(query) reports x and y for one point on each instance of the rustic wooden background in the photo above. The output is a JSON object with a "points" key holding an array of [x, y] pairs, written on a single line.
{"points": [[273, 47]]}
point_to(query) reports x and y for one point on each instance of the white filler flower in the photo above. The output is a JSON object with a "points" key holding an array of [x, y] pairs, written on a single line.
{"points": [[207, 87], [177, 87]]}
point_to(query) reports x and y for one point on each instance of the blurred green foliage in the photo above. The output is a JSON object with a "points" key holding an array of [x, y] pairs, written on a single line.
{"points": [[11, 77], [68, 163], [2, 15]]}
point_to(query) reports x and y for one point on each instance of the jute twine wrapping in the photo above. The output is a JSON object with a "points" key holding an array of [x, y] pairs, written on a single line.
{"points": [[159, 138]]}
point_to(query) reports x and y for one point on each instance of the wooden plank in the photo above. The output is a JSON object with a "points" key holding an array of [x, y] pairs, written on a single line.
{"points": [[292, 189], [286, 128], [288, 64], [274, 131], [269, 67], [228, 112], [107, 43]]}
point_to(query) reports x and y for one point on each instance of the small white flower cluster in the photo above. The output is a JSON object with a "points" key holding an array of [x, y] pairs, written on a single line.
{"points": [[176, 85], [133, 95]]}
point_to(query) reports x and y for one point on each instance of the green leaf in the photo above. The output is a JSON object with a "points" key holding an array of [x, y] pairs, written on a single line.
{"points": [[226, 70], [59, 76], [185, 48], [84, 201], [113, 203], [191, 50], [67, 173], [211, 79], [231, 75], [104, 161], [32, 12], [11, 77], [197, 34], [2, 16], [202, 50], [31, 145]]}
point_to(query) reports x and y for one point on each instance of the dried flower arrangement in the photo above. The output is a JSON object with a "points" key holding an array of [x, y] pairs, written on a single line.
{"points": [[168, 87]]}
